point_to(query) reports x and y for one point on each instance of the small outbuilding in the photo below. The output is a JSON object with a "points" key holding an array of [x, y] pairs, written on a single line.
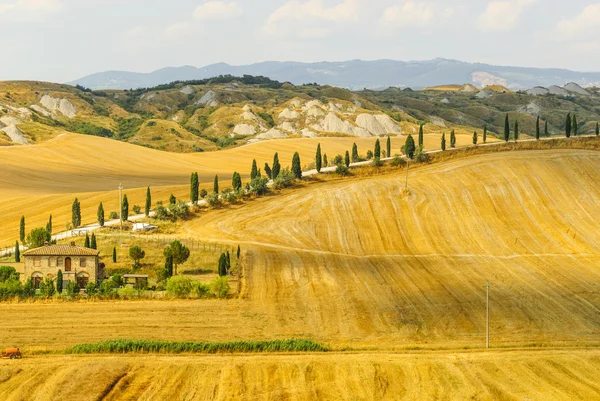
{"points": [[77, 264]]}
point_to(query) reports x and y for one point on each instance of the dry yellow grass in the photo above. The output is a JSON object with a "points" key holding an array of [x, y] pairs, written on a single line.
{"points": [[42, 179], [541, 375]]}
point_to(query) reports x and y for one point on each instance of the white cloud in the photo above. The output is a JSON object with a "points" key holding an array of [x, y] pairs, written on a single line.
{"points": [[214, 10], [178, 30], [409, 13], [31, 6], [136, 31], [503, 15], [310, 12], [585, 24]]}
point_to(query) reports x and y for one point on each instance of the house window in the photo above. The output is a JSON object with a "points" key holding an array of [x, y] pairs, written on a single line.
{"points": [[37, 262], [82, 262], [67, 264], [60, 262]]}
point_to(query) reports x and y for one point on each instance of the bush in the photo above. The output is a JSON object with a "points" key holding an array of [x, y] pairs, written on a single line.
{"points": [[72, 289], [107, 288], [339, 159], [90, 289], [179, 287], [7, 273], [200, 290], [213, 199], [342, 170], [220, 287], [47, 288], [113, 215], [285, 179], [258, 186], [376, 162], [421, 156], [11, 288], [369, 154], [397, 161], [203, 194], [128, 293], [137, 209], [230, 196]]}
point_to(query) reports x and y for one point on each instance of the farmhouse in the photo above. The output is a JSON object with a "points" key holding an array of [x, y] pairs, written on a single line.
{"points": [[76, 263]]}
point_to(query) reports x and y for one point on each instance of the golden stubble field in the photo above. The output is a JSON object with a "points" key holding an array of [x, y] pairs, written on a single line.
{"points": [[353, 263], [42, 179]]}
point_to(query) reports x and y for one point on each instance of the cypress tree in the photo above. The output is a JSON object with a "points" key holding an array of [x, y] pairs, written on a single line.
{"points": [[238, 252], [506, 129], [546, 132], [421, 136], [268, 171], [347, 159], [597, 129], [86, 243], [485, 134], [443, 141], [452, 139], [222, 267], [114, 256], [236, 181], [49, 226], [93, 243], [254, 171], [172, 199], [575, 128], [475, 137], [76, 213], [296, 166], [377, 152], [325, 161], [148, 202], [355, 156], [228, 261], [216, 184], [537, 128], [169, 265], [276, 167], [125, 208], [409, 147], [17, 252], [516, 130], [100, 214], [568, 126], [22, 229], [59, 281], [389, 146], [194, 188], [318, 159]]}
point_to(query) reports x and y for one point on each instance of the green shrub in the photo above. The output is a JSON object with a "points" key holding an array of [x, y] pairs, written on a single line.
{"points": [[398, 161], [113, 215], [7, 273], [213, 199], [137, 209], [342, 170], [11, 288], [47, 288], [200, 290], [220, 287], [258, 186], [179, 286], [421, 156], [107, 288], [90, 289], [285, 179], [376, 162], [72, 289], [124, 346], [127, 292]]}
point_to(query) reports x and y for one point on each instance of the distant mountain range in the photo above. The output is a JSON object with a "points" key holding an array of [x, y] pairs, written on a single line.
{"points": [[355, 75]]}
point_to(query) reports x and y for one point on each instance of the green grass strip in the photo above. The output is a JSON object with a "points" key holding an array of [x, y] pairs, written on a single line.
{"points": [[145, 346]]}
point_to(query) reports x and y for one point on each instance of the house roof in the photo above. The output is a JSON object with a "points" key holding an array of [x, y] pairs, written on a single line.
{"points": [[61, 250]]}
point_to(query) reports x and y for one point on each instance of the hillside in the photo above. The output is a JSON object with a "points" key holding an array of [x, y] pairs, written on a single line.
{"points": [[354, 75], [224, 112]]}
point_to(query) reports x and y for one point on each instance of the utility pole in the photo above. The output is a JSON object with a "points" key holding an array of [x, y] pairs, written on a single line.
{"points": [[121, 208], [487, 315], [407, 164]]}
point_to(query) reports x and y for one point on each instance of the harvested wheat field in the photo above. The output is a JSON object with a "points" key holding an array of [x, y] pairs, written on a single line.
{"points": [[42, 179], [373, 274], [508, 375]]}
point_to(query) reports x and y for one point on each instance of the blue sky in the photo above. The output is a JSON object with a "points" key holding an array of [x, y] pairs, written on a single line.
{"points": [[61, 40]]}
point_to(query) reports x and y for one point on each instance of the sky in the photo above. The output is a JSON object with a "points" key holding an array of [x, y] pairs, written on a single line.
{"points": [[63, 40]]}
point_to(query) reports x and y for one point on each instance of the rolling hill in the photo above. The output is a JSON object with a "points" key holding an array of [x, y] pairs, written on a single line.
{"points": [[354, 74]]}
